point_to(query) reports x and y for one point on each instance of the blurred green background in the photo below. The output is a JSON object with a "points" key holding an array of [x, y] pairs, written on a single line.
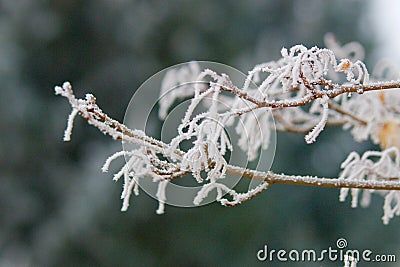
{"points": [[58, 209]]}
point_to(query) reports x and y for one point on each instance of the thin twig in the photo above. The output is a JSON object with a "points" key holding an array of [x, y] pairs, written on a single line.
{"points": [[273, 178], [338, 109], [97, 118], [269, 177]]}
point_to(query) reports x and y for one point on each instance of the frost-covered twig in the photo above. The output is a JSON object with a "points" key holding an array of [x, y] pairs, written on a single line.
{"points": [[92, 113], [301, 77], [373, 166], [304, 180]]}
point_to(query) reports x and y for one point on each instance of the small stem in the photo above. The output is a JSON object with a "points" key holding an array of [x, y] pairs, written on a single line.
{"points": [[337, 108], [241, 94], [315, 94], [273, 178]]}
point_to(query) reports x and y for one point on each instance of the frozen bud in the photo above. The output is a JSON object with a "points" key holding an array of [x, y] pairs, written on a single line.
{"points": [[344, 64]]}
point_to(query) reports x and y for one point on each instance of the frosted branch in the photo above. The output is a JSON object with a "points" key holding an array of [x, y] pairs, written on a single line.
{"points": [[70, 123], [373, 166], [334, 84], [312, 135]]}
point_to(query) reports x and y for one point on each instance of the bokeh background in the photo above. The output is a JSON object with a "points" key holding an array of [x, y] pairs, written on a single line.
{"points": [[58, 209]]}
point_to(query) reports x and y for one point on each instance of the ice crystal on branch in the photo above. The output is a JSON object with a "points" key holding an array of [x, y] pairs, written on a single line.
{"points": [[373, 166], [304, 91]]}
